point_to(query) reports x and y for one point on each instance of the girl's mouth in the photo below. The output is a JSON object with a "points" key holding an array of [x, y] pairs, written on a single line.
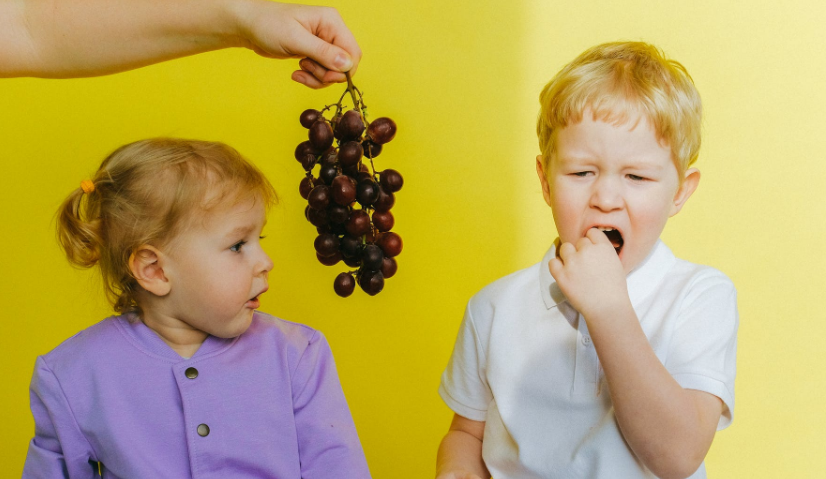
{"points": [[614, 237]]}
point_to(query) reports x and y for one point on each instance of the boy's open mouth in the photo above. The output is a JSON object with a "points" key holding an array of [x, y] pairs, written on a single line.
{"points": [[614, 237]]}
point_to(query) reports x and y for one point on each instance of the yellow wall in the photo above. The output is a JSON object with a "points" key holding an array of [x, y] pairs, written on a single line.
{"points": [[461, 79]]}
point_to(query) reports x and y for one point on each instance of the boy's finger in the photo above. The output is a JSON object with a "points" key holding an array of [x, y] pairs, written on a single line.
{"points": [[565, 251], [597, 236]]}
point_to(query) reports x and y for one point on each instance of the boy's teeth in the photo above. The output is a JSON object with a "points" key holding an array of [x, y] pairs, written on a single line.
{"points": [[604, 229]]}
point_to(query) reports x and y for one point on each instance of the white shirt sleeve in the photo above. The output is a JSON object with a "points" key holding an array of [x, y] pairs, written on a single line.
{"points": [[703, 350], [464, 386]]}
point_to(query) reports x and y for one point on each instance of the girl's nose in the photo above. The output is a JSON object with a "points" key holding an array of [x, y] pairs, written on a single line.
{"points": [[265, 263]]}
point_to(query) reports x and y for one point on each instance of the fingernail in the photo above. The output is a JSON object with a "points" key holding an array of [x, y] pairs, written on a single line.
{"points": [[343, 62]]}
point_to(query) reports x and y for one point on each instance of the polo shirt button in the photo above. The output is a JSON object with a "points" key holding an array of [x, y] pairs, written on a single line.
{"points": [[203, 430], [586, 340], [191, 373]]}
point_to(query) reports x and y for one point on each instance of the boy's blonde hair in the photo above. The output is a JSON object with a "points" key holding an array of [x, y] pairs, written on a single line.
{"points": [[145, 193], [618, 81]]}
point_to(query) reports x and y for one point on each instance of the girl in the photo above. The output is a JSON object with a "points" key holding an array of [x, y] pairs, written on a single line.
{"points": [[189, 380]]}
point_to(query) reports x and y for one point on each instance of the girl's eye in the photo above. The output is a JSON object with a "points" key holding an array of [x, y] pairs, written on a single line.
{"points": [[236, 248]]}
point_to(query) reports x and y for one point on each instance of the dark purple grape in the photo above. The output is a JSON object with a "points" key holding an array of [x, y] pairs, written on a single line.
{"points": [[304, 148], [323, 230], [371, 257], [350, 126], [319, 197], [383, 221], [338, 214], [388, 267], [349, 154], [308, 162], [371, 282], [329, 157], [390, 243], [391, 180], [317, 217], [344, 284], [344, 191], [327, 174], [371, 150], [367, 192], [307, 212], [329, 260], [382, 130], [337, 228], [354, 262], [321, 135], [351, 171], [350, 246], [359, 223], [385, 201], [308, 117], [326, 244], [305, 187]]}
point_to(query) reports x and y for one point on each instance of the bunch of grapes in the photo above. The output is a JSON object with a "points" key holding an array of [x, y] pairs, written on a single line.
{"points": [[349, 203]]}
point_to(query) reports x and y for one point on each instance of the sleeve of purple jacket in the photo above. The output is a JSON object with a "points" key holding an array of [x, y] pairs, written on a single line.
{"points": [[58, 449], [328, 444]]}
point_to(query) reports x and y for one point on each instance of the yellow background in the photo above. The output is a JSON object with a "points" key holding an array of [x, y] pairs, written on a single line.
{"points": [[461, 79]]}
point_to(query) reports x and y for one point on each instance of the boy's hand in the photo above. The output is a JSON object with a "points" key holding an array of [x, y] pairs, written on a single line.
{"points": [[591, 276]]}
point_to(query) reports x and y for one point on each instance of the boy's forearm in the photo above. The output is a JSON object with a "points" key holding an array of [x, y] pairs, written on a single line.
{"points": [[460, 452], [63, 38], [661, 421]]}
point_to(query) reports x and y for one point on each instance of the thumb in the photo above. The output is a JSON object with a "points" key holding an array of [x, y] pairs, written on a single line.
{"points": [[328, 55]]}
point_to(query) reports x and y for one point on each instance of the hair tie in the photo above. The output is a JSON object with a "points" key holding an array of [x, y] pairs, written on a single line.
{"points": [[87, 186]]}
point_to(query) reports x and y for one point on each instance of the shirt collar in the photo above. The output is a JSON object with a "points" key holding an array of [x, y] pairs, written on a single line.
{"points": [[641, 281], [149, 341]]}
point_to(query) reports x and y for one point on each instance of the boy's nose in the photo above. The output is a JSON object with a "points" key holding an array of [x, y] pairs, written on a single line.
{"points": [[606, 196]]}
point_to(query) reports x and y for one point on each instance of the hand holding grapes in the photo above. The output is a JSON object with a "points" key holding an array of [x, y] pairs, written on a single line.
{"points": [[347, 202], [590, 275]]}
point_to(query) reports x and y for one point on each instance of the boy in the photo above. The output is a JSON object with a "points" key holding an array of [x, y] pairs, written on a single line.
{"points": [[611, 358]]}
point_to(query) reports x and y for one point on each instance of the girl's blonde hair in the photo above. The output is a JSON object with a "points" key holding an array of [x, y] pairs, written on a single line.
{"points": [[145, 193], [618, 81]]}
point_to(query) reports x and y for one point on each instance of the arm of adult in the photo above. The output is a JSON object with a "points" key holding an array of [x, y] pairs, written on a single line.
{"points": [[84, 38], [460, 453]]}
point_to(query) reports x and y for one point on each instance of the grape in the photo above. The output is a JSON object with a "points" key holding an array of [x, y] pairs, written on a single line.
{"points": [[344, 284], [388, 267], [327, 174], [382, 130], [304, 148], [317, 217], [359, 223], [391, 180], [353, 262], [350, 126], [371, 149], [390, 243], [350, 246], [305, 187], [308, 117], [371, 282], [326, 244], [385, 201], [321, 135], [383, 221], [367, 192], [338, 214], [329, 260], [328, 158], [319, 197], [371, 257], [350, 153], [308, 162], [344, 191]]}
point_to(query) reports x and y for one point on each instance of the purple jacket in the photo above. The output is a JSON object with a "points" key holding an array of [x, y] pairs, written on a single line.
{"points": [[267, 404]]}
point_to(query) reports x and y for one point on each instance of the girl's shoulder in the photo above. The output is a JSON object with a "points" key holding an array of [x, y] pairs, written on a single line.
{"points": [[274, 330]]}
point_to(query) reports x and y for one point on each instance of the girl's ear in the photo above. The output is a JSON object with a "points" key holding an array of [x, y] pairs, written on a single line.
{"points": [[690, 182], [146, 264]]}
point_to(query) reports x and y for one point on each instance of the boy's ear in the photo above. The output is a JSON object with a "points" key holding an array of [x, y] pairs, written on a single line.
{"points": [[543, 179], [690, 182], [146, 264]]}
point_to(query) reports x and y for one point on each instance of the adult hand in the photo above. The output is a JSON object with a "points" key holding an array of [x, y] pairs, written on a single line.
{"points": [[318, 35]]}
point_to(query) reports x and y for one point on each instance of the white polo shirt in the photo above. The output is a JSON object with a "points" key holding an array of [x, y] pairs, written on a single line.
{"points": [[524, 363]]}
